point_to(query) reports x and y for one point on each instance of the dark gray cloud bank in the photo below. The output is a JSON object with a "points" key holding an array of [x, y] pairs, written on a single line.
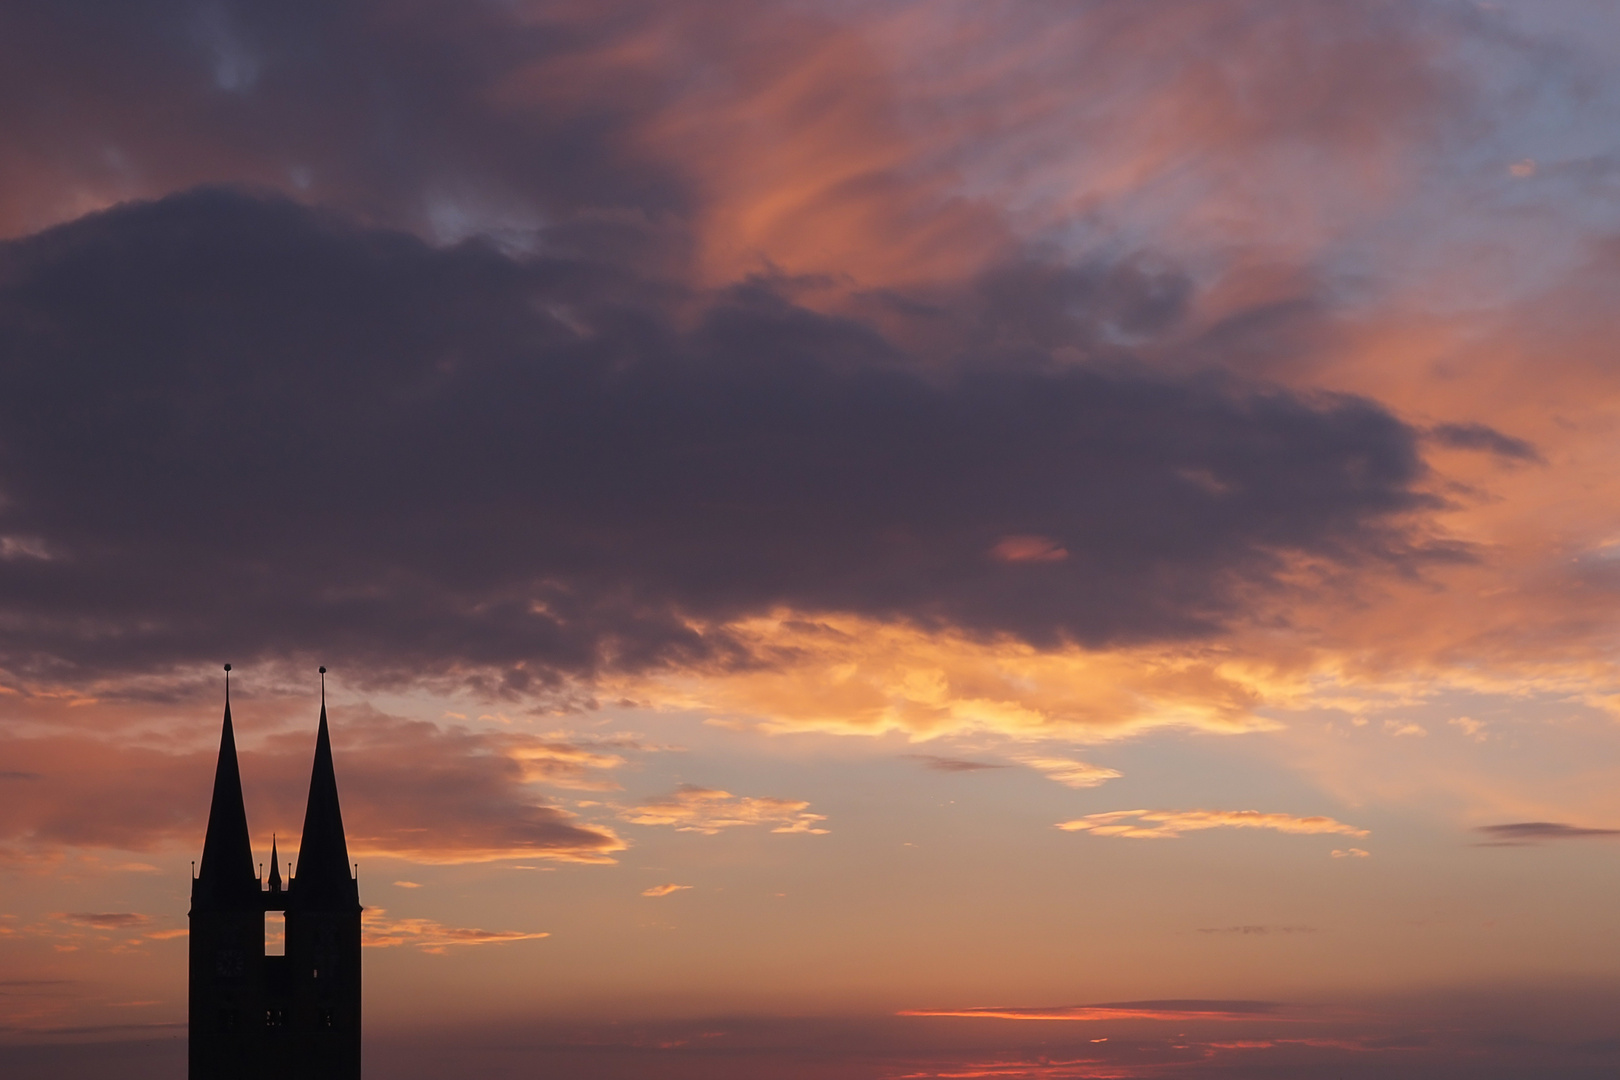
{"points": [[411, 114], [232, 426]]}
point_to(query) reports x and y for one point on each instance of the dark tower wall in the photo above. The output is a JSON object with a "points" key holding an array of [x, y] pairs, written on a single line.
{"points": [[323, 1000], [227, 995]]}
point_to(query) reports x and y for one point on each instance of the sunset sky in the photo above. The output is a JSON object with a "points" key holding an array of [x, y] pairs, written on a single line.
{"points": [[879, 540]]}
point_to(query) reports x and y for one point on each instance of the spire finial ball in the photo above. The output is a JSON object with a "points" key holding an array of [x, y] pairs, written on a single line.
{"points": [[323, 671], [227, 667]]}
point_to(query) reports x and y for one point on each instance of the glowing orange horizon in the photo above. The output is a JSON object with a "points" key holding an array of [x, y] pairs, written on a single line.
{"points": [[1125, 1010]]}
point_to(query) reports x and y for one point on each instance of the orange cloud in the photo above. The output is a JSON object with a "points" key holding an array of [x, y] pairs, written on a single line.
{"points": [[1044, 1069], [1170, 824], [850, 675], [708, 810], [113, 920], [411, 790], [1075, 774], [1267, 1044], [1128, 1010], [105, 931], [663, 890], [908, 144], [803, 161], [382, 932], [566, 764]]}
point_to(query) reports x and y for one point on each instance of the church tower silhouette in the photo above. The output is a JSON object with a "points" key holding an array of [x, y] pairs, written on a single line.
{"points": [[255, 1015]]}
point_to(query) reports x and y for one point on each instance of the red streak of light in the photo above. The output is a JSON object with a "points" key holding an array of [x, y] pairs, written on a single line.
{"points": [[1088, 1013]]}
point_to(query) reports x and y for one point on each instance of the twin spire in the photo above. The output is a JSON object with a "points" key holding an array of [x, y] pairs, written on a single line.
{"points": [[226, 877], [323, 854]]}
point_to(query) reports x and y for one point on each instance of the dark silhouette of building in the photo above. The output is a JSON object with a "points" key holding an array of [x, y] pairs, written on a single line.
{"points": [[294, 1016]]}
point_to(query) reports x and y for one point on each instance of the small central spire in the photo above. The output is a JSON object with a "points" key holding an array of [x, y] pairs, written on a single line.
{"points": [[275, 866]]}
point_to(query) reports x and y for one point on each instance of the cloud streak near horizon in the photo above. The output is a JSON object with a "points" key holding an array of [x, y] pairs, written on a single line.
{"points": [[1122, 1010], [1171, 824]]}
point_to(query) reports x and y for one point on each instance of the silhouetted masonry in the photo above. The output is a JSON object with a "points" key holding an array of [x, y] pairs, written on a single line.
{"points": [[253, 1015]]}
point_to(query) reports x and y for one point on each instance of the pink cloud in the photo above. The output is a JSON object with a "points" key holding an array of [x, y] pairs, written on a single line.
{"points": [[663, 890], [1170, 824], [1127, 1010], [411, 790], [1035, 549], [708, 810], [380, 931]]}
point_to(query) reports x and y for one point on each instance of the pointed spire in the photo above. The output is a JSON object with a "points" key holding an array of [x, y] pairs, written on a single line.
{"points": [[323, 880], [226, 877], [275, 866]]}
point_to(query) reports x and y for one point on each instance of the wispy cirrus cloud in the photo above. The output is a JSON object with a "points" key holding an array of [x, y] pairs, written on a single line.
{"points": [[106, 920], [1071, 773], [849, 675], [380, 931], [1187, 1009], [663, 890], [116, 932], [887, 144], [951, 764], [709, 810], [1171, 824]]}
